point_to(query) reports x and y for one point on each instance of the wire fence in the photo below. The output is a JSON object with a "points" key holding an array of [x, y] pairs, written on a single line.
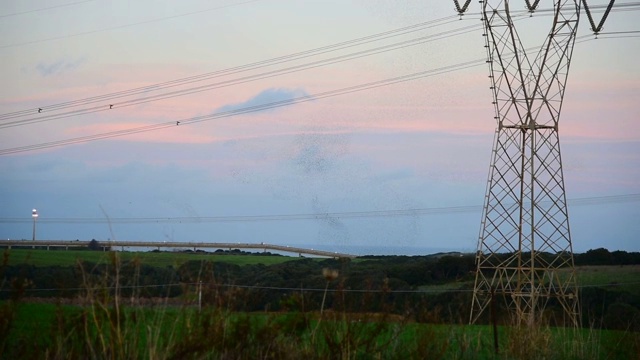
{"points": [[302, 289]]}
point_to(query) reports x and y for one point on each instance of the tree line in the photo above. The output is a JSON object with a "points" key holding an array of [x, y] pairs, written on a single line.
{"points": [[434, 288]]}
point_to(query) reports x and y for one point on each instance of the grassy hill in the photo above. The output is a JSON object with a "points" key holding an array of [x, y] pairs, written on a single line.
{"points": [[37, 257]]}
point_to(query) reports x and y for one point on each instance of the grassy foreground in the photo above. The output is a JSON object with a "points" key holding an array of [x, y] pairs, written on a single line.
{"points": [[103, 320], [96, 330]]}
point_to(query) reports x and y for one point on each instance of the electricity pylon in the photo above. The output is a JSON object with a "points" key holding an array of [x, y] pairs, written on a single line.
{"points": [[524, 249]]}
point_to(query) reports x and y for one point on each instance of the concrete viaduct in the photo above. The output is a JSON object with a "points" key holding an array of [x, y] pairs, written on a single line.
{"points": [[170, 244]]}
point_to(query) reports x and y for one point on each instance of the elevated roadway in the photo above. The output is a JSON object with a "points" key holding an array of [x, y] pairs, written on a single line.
{"points": [[171, 245]]}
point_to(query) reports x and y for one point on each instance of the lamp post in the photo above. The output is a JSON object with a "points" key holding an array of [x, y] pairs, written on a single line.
{"points": [[34, 215]]}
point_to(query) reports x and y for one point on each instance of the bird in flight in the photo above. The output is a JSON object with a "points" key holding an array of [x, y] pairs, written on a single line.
{"points": [[177, 123], [39, 110], [110, 106]]}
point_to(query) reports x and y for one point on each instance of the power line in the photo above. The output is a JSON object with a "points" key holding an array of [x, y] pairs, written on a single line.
{"points": [[586, 201], [619, 32], [182, 92], [597, 8], [247, 67], [238, 69], [201, 77], [45, 9], [246, 110], [617, 7], [232, 82], [608, 35], [621, 37], [116, 27]]}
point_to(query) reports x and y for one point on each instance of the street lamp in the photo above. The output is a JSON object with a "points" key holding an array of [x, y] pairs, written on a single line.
{"points": [[34, 215]]}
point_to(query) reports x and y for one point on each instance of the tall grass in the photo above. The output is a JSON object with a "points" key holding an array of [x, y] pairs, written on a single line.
{"points": [[111, 321]]}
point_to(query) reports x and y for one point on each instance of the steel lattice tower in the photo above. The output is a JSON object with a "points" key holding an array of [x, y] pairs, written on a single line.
{"points": [[524, 250]]}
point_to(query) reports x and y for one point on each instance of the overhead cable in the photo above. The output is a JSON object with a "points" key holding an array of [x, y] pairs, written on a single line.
{"points": [[246, 67], [237, 69], [586, 201], [244, 110], [32, 42], [6, 123], [249, 109], [44, 9]]}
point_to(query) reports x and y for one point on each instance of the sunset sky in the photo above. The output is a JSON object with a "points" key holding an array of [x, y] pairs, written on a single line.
{"points": [[421, 144]]}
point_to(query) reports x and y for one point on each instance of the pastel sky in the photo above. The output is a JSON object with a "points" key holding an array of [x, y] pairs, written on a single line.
{"points": [[419, 144]]}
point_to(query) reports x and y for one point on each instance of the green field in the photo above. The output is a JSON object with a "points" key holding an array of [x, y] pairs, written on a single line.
{"points": [[39, 257], [621, 277], [614, 277], [185, 332], [90, 325]]}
